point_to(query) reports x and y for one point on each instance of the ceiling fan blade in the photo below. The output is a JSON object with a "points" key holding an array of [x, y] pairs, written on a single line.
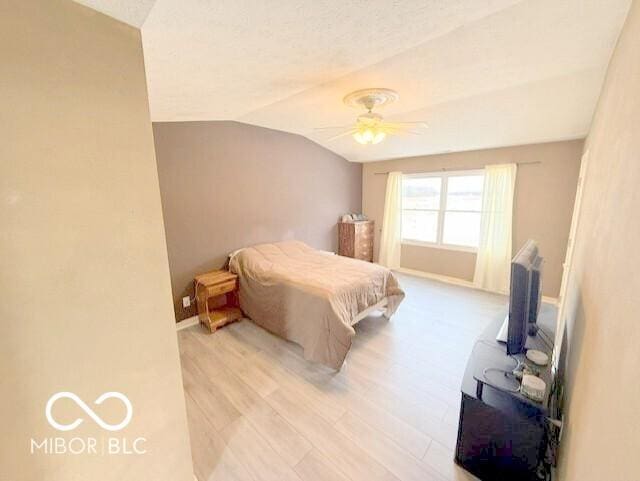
{"points": [[418, 123], [350, 126], [411, 132], [393, 130], [343, 134]]}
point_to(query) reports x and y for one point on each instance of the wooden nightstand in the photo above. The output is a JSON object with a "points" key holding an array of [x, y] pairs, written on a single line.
{"points": [[217, 297]]}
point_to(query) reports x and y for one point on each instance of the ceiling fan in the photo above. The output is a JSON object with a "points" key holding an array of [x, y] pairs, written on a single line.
{"points": [[370, 127]]}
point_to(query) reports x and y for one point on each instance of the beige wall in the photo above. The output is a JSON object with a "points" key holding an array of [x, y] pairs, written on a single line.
{"points": [[86, 300], [603, 298], [542, 211], [227, 185]]}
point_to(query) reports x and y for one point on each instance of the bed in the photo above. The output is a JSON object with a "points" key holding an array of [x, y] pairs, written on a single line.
{"points": [[312, 297]]}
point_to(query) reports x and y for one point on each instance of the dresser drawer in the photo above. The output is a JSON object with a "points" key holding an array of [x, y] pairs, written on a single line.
{"points": [[364, 230], [364, 246], [365, 236], [364, 251]]}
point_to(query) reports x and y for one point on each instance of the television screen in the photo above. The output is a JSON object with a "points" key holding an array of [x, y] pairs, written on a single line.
{"points": [[535, 296], [522, 305]]}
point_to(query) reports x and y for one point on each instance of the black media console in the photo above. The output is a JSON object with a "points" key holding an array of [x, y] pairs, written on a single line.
{"points": [[502, 435]]}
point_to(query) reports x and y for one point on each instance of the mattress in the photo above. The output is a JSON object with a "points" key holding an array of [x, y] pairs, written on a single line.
{"points": [[311, 297]]}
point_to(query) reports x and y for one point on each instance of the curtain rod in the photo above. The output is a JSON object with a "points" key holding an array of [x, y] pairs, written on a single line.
{"points": [[446, 169]]}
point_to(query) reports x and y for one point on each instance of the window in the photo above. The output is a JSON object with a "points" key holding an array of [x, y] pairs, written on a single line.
{"points": [[442, 209]]}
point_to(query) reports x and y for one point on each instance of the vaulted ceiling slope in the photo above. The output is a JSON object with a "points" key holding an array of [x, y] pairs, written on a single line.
{"points": [[483, 73]]}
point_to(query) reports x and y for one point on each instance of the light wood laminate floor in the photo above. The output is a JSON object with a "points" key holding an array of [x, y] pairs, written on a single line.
{"points": [[259, 412]]}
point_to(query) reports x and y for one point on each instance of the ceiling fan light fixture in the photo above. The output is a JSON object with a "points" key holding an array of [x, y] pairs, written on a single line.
{"points": [[369, 135], [379, 137], [361, 137]]}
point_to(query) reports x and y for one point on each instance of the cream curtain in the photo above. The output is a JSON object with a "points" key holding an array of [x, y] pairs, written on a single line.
{"points": [[493, 262], [390, 241]]}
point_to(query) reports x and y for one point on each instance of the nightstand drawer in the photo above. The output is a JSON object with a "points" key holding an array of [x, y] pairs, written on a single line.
{"points": [[219, 289]]}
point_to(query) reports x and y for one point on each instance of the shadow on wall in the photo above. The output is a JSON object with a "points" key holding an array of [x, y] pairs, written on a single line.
{"points": [[573, 339], [189, 290]]}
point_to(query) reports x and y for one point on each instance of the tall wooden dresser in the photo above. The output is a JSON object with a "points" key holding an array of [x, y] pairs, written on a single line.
{"points": [[355, 239]]}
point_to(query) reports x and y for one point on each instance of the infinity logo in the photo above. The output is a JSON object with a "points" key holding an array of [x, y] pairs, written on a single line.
{"points": [[89, 411]]}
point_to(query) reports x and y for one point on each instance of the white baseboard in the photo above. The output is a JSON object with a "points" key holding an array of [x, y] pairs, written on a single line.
{"points": [[188, 322], [459, 282], [437, 277]]}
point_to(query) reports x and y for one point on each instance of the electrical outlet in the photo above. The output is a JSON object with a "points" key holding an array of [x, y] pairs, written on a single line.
{"points": [[186, 301]]}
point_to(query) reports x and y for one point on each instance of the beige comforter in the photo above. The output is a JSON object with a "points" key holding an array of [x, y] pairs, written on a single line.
{"points": [[311, 297]]}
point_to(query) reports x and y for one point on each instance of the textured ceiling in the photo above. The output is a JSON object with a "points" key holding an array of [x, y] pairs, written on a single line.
{"points": [[483, 73], [133, 12]]}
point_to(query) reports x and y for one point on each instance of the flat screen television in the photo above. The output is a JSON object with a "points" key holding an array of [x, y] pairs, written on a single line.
{"points": [[524, 297]]}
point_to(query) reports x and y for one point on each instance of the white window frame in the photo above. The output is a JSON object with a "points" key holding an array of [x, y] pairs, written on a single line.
{"points": [[444, 175]]}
